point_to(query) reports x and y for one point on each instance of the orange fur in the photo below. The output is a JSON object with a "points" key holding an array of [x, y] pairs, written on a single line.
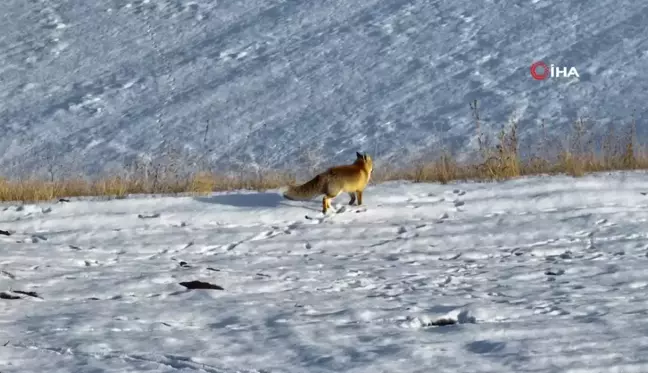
{"points": [[352, 179]]}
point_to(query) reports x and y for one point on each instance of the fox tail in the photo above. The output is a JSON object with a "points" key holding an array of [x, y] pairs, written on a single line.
{"points": [[307, 190]]}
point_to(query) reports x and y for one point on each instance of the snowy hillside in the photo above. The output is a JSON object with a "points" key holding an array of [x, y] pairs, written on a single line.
{"points": [[533, 275], [93, 82]]}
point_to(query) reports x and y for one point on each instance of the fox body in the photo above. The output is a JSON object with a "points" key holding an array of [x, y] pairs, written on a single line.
{"points": [[352, 178]]}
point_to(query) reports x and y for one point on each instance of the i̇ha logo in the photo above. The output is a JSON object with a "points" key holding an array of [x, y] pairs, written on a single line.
{"points": [[540, 71]]}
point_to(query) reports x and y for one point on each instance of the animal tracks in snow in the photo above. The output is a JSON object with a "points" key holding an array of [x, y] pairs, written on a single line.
{"points": [[474, 268]]}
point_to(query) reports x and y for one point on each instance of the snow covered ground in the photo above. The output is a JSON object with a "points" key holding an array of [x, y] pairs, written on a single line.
{"points": [[86, 83], [534, 275]]}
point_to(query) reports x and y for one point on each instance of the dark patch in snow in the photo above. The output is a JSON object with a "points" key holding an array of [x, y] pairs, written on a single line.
{"points": [[142, 216], [191, 285]]}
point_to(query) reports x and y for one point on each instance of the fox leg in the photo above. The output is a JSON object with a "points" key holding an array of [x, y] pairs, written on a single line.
{"points": [[353, 198], [359, 193], [326, 202]]}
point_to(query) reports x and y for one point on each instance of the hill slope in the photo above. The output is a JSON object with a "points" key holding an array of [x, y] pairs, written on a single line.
{"points": [[92, 83]]}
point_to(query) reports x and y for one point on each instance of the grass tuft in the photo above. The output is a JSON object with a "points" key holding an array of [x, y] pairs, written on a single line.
{"points": [[497, 160]]}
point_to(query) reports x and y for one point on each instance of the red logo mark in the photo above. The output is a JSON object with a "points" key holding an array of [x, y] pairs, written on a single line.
{"points": [[545, 70]]}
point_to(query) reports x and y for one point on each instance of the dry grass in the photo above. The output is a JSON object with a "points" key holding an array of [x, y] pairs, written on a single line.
{"points": [[502, 160], [498, 160], [30, 190]]}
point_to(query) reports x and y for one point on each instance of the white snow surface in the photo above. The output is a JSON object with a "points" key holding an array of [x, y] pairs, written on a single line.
{"points": [[543, 274], [91, 84]]}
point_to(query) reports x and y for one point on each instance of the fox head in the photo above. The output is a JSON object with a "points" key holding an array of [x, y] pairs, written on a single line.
{"points": [[365, 161]]}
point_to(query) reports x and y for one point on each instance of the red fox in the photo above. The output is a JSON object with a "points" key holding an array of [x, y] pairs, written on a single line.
{"points": [[352, 179]]}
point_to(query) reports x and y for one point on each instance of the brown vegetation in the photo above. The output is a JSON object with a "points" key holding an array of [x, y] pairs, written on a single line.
{"points": [[500, 160]]}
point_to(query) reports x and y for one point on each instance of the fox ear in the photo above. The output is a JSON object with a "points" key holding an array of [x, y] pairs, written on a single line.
{"points": [[364, 156], [360, 156]]}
